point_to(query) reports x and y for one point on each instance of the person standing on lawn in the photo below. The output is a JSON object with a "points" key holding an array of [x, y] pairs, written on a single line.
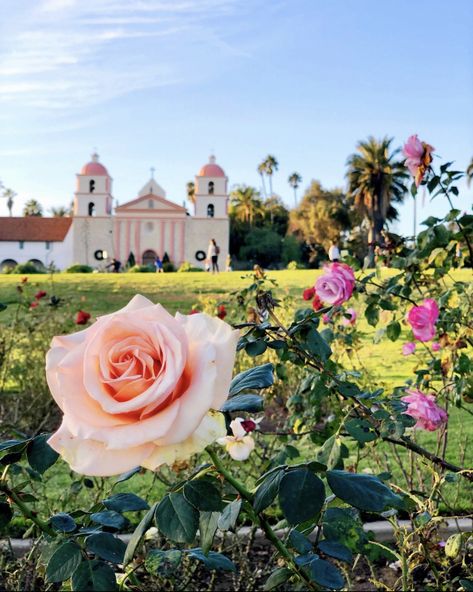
{"points": [[212, 255], [158, 264], [334, 252]]}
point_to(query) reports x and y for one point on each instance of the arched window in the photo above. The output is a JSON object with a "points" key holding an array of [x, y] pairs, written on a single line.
{"points": [[210, 211], [91, 208], [211, 187], [91, 186], [149, 257]]}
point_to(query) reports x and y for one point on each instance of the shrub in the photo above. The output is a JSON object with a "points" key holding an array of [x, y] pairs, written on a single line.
{"points": [[293, 265], [141, 269], [25, 268], [168, 267], [186, 267], [79, 268]]}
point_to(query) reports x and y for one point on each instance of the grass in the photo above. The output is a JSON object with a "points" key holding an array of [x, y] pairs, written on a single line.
{"points": [[99, 294]]}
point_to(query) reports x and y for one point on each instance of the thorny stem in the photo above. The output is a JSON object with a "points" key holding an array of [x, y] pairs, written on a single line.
{"points": [[43, 526], [260, 519]]}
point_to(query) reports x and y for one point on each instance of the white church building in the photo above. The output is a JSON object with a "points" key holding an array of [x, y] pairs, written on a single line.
{"points": [[146, 226]]}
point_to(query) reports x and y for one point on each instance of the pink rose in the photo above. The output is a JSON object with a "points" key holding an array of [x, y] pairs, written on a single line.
{"points": [[436, 346], [326, 319], [349, 321], [422, 319], [336, 284], [140, 387], [418, 157], [408, 348], [424, 408]]}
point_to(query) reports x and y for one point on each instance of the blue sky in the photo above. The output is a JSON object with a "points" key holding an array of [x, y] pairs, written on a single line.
{"points": [[164, 82]]}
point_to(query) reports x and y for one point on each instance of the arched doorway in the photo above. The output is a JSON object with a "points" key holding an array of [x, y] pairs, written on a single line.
{"points": [[148, 257], [38, 264], [7, 264]]}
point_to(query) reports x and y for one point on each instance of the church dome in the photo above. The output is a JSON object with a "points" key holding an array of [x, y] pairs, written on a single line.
{"points": [[211, 169], [94, 168]]}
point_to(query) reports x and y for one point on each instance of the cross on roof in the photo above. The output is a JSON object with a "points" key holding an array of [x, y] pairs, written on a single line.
{"points": [[152, 170]]}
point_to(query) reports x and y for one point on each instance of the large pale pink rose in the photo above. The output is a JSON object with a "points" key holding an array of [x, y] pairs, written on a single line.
{"points": [[422, 319], [425, 410], [140, 387], [336, 284]]}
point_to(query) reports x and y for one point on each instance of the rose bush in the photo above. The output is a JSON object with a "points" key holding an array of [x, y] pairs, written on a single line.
{"points": [[140, 387]]}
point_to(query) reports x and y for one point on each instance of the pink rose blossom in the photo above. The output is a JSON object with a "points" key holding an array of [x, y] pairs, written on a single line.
{"points": [[425, 410], [140, 387], [418, 157], [352, 320], [326, 319], [436, 346], [408, 348], [422, 319], [335, 286]]}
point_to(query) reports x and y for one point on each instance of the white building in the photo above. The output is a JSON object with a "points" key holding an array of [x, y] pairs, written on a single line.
{"points": [[146, 226]]}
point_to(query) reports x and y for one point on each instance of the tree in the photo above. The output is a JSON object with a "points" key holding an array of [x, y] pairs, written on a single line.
{"points": [[32, 208], [321, 217], [271, 165], [294, 181], [245, 204], [60, 212], [469, 172], [262, 246], [376, 180], [276, 215], [10, 195], [190, 189], [261, 170]]}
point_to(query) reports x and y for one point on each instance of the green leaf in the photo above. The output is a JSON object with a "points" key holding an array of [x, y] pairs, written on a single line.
{"points": [[361, 430], [127, 475], [6, 514], [267, 491], [213, 560], [177, 519], [277, 577], [40, 454], [336, 550], [393, 330], [256, 348], [62, 522], [326, 574], [125, 502], [208, 523], [2, 306], [372, 314], [203, 495], [317, 345], [467, 585], [299, 542], [63, 562], [229, 515], [250, 403], [255, 378], [365, 492], [94, 576], [139, 533], [106, 546], [301, 495], [13, 445], [330, 453], [344, 526], [109, 518], [163, 563]]}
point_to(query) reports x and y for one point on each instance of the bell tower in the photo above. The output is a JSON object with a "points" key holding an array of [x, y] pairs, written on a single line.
{"points": [[211, 192], [93, 197]]}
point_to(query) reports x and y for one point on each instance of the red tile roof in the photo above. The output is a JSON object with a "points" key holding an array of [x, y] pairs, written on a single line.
{"points": [[34, 228]]}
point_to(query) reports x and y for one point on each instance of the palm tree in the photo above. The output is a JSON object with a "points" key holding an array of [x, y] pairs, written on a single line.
{"points": [[10, 195], [271, 165], [190, 189], [294, 181], [33, 208], [60, 212], [376, 180], [262, 170], [469, 172], [246, 203]]}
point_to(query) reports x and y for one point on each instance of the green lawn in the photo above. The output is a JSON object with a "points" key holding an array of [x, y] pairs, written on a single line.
{"points": [[99, 294]]}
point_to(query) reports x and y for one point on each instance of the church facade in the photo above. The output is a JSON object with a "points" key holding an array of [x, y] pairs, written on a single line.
{"points": [[148, 226]]}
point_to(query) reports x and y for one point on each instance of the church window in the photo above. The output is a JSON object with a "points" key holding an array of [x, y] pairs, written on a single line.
{"points": [[21, 245], [211, 187], [210, 211], [91, 186], [150, 203], [91, 208], [149, 227]]}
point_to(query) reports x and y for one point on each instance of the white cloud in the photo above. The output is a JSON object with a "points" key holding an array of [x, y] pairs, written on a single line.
{"points": [[68, 53]]}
